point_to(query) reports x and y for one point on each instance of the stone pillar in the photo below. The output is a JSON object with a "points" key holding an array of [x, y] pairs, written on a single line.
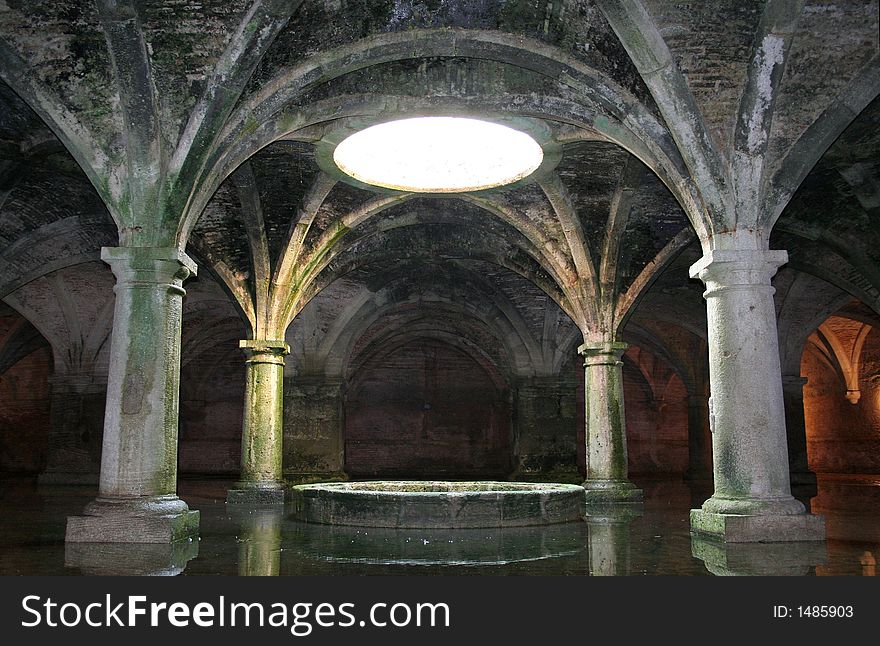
{"points": [[262, 435], [137, 500], [699, 439], [752, 500], [76, 416], [803, 480], [607, 476]]}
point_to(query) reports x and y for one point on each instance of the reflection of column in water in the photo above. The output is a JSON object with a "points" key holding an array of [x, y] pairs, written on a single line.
{"points": [[609, 539], [130, 559], [259, 541], [869, 564], [758, 559]]}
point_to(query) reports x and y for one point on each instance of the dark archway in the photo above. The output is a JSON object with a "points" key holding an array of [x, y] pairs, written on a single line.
{"points": [[427, 409], [25, 369]]}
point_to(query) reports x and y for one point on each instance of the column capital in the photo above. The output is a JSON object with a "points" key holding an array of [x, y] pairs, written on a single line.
{"points": [[264, 350], [602, 352], [730, 268], [154, 265]]}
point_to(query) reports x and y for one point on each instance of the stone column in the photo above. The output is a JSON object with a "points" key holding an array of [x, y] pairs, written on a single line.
{"points": [[262, 435], [699, 439], [803, 480], [752, 500], [607, 477], [137, 500]]}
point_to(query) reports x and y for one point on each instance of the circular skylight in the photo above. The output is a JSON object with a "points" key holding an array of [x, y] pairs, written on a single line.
{"points": [[438, 155]]}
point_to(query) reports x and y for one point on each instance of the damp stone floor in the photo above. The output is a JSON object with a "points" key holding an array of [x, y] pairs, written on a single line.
{"points": [[258, 541]]}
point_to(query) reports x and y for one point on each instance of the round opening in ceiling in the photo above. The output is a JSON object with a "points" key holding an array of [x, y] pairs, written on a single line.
{"points": [[438, 155]]}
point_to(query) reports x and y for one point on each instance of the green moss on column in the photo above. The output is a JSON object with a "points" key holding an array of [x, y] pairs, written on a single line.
{"points": [[262, 431], [607, 473], [752, 501], [137, 501]]}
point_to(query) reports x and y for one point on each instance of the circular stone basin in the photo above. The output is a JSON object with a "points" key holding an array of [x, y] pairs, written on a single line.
{"points": [[429, 504]]}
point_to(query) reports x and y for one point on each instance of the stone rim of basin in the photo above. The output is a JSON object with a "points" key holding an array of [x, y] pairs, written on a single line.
{"points": [[438, 504], [440, 487]]}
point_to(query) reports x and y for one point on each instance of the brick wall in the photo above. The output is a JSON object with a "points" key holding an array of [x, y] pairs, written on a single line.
{"points": [[24, 413], [211, 409], [426, 410], [313, 428]]}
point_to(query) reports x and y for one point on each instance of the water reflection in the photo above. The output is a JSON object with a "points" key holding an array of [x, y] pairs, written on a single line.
{"points": [[758, 559], [130, 559], [340, 545], [868, 563], [249, 543], [609, 539], [259, 539]]}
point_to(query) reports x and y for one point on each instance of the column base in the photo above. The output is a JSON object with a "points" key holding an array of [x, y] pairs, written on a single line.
{"points": [[764, 559], [613, 515], [158, 519], [611, 492], [256, 493], [130, 560], [764, 528]]}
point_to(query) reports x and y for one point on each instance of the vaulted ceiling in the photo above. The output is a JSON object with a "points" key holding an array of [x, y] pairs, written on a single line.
{"points": [[201, 124]]}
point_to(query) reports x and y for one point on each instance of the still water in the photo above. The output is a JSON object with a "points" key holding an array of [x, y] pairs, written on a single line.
{"points": [[652, 541]]}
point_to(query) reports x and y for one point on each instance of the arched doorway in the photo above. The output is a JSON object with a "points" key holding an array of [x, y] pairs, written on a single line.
{"points": [[841, 364]]}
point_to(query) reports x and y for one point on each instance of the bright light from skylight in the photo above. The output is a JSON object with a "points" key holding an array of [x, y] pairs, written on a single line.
{"points": [[438, 155]]}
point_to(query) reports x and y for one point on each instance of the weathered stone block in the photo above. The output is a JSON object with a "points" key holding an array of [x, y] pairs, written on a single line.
{"points": [[734, 528], [431, 504], [127, 527], [605, 492]]}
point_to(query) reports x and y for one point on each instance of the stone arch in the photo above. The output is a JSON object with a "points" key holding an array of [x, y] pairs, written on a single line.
{"points": [[511, 333], [261, 118], [841, 363]]}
